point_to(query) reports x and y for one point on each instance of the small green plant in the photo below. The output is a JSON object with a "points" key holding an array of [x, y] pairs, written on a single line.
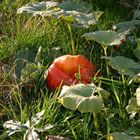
{"points": [[29, 129]]}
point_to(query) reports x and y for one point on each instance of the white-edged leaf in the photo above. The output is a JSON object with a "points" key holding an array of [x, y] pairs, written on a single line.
{"points": [[25, 135], [105, 38], [138, 96], [32, 135], [27, 124], [13, 125], [45, 128], [81, 97], [121, 136], [132, 107], [11, 132], [36, 119], [123, 65]]}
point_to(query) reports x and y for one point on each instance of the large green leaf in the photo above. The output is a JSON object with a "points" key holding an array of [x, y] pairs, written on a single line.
{"points": [[126, 25], [23, 57], [121, 136], [105, 38], [92, 104], [124, 65], [137, 50], [73, 5], [81, 97], [71, 11], [137, 14], [39, 8], [79, 19], [27, 66], [85, 20], [30, 72]]}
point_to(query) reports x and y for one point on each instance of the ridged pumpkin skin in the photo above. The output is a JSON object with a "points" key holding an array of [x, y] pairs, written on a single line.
{"points": [[65, 70]]}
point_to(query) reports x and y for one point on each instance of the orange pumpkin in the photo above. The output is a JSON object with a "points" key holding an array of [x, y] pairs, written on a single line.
{"points": [[68, 70]]}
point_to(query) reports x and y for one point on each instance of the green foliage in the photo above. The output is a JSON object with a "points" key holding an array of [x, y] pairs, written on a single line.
{"points": [[121, 136], [137, 50], [38, 8], [124, 65], [134, 104], [71, 15], [137, 14], [81, 97], [76, 13], [29, 42], [128, 25], [105, 38], [28, 127], [80, 6]]}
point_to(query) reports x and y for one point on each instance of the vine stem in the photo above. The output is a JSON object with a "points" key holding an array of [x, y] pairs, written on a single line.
{"points": [[96, 121], [105, 53], [72, 39], [108, 125], [125, 93], [123, 78]]}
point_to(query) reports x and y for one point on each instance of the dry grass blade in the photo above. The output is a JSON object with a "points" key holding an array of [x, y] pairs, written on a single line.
{"points": [[56, 138]]}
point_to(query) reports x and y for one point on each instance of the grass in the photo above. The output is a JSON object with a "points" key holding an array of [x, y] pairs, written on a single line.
{"points": [[21, 97]]}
